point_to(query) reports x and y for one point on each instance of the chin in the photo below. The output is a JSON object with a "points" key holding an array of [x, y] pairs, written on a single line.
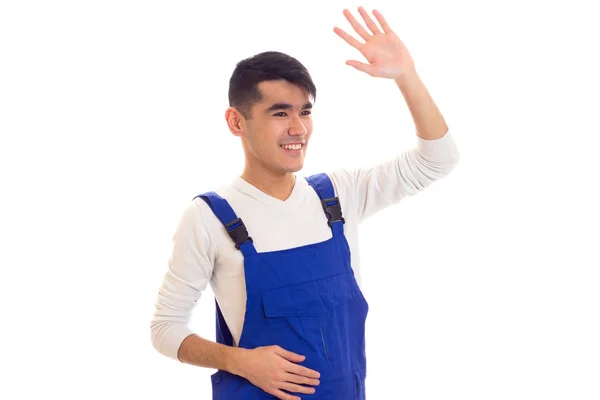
{"points": [[294, 169]]}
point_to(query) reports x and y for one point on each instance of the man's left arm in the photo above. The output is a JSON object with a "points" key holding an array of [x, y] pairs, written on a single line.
{"points": [[435, 153], [428, 119], [389, 58]]}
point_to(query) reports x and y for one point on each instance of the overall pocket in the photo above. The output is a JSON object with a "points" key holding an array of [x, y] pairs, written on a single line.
{"points": [[298, 316]]}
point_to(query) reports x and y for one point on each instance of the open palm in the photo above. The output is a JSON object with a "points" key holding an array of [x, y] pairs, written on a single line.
{"points": [[388, 57]]}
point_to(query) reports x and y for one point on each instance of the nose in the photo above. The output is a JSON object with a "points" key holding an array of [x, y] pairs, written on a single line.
{"points": [[297, 128]]}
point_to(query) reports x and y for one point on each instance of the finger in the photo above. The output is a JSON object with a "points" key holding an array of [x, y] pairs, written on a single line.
{"points": [[349, 39], [303, 371], [386, 27], [370, 23], [288, 355], [366, 68], [356, 25], [283, 396], [302, 380], [290, 387]]}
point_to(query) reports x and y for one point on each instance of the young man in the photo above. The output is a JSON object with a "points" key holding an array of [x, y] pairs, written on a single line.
{"points": [[280, 252]]}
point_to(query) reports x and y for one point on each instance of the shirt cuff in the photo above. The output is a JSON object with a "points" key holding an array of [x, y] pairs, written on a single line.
{"points": [[443, 148], [171, 340]]}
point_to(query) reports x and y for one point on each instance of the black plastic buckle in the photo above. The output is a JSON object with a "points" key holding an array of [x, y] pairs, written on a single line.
{"points": [[239, 234], [333, 210]]}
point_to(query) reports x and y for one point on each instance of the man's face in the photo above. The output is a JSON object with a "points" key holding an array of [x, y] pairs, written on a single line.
{"points": [[277, 136]]}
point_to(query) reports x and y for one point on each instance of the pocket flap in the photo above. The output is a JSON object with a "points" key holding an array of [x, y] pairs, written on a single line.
{"points": [[308, 298]]}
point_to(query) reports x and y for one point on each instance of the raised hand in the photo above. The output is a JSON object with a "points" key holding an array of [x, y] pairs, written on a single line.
{"points": [[272, 369], [388, 57]]}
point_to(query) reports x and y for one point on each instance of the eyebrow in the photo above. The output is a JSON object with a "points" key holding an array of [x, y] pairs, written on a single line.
{"points": [[285, 106]]}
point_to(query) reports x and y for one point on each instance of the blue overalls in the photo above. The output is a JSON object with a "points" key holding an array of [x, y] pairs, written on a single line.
{"points": [[304, 299]]}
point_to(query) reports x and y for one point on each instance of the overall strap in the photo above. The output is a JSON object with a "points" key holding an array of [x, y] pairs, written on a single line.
{"points": [[331, 204], [243, 242], [235, 226]]}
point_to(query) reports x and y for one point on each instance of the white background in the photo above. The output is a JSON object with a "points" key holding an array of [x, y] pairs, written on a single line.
{"points": [[485, 286]]}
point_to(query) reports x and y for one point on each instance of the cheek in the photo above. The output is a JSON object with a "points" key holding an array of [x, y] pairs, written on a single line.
{"points": [[265, 142], [309, 127]]}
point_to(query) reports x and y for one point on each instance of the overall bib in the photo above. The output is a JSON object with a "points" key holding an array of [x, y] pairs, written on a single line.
{"points": [[304, 299]]}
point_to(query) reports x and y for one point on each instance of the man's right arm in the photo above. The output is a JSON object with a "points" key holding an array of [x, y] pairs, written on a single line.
{"points": [[200, 352], [190, 268], [191, 264], [189, 271]]}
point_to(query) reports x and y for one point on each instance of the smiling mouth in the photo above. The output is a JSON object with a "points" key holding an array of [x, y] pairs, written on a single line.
{"points": [[292, 146]]}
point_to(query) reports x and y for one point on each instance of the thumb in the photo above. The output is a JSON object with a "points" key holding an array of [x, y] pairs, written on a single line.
{"points": [[360, 66], [288, 355]]}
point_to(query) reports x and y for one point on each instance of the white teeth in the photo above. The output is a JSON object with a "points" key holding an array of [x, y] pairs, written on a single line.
{"points": [[292, 146]]}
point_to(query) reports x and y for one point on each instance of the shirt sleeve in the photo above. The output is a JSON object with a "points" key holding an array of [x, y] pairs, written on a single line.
{"points": [[189, 271], [370, 189]]}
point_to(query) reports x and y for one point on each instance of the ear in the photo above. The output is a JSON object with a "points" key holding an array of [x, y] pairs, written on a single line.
{"points": [[235, 121]]}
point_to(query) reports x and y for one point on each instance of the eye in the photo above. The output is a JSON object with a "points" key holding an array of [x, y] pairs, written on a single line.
{"points": [[282, 114]]}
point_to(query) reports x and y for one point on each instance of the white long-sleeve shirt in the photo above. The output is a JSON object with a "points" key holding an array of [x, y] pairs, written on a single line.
{"points": [[203, 253]]}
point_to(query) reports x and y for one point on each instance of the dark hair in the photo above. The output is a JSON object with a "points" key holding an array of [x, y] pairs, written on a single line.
{"points": [[266, 66]]}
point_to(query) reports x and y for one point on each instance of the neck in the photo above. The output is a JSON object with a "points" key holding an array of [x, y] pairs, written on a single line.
{"points": [[276, 184]]}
